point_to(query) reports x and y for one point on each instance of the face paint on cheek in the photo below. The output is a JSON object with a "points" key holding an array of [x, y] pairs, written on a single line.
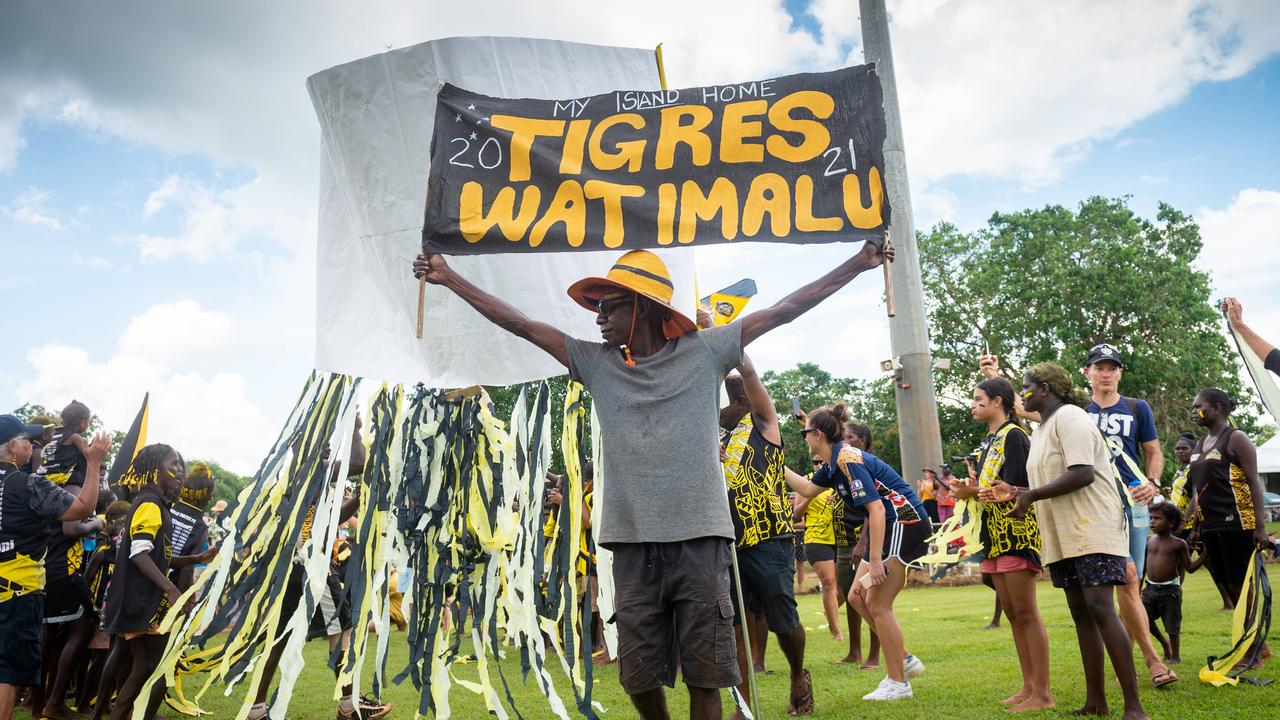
{"points": [[1200, 414]]}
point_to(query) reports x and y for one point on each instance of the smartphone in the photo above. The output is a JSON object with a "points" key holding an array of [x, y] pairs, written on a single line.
{"points": [[795, 407]]}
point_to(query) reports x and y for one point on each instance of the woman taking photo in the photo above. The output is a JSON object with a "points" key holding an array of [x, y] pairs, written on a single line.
{"points": [[1230, 516], [1084, 539], [1012, 545], [895, 530]]}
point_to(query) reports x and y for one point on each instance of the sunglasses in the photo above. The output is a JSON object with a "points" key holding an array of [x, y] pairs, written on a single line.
{"points": [[805, 432], [606, 307]]}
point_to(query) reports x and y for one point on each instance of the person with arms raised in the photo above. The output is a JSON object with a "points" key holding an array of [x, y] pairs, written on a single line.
{"points": [[655, 382]]}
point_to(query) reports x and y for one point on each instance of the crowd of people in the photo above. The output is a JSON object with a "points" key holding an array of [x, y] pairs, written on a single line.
{"points": [[88, 572], [1066, 485]]}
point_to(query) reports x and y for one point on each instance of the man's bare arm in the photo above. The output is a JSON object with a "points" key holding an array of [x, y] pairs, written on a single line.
{"points": [[763, 412], [495, 310], [801, 301]]}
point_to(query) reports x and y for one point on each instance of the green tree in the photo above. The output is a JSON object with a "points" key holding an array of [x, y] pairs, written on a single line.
{"points": [[1049, 283]]}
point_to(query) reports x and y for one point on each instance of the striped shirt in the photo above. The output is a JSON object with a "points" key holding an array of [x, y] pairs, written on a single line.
{"points": [[1089, 520]]}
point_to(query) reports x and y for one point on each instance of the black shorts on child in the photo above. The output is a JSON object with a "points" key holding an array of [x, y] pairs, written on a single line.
{"points": [[1164, 602]]}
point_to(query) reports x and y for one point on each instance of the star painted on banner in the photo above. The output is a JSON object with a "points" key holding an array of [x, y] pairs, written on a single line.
{"points": [[457, 117], [473, 136], [471, 107]]}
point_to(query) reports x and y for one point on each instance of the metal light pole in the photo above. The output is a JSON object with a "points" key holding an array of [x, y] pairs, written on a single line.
{"points": [[918, 434]]}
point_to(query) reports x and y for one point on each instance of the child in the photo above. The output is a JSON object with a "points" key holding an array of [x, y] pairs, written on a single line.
{"points": [[141, 592], [190, 531], [62, 460], [1168, 560], [98, 574]]}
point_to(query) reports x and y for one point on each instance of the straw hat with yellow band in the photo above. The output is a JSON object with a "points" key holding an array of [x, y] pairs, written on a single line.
{"points": [[640, 272]]}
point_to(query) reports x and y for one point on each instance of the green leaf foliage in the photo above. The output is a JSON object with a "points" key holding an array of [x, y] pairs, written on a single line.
{"points": [[1049, 283]]}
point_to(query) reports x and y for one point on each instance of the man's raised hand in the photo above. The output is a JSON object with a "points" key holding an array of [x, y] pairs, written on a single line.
{"points": [[432, 266], [873, 256]]}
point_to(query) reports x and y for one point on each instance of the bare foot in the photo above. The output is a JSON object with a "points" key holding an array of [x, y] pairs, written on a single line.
{"points": [[838, 637], [1089, 710], [870, 664], [56, 711], [1138, 714], [992, 626], [1016, 698], [1034, 703], [850, 659], [1173, 660]]}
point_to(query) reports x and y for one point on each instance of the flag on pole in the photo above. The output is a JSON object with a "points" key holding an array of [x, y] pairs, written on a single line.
{"points": [[134, 441], [725, 305], [1262, 379]]}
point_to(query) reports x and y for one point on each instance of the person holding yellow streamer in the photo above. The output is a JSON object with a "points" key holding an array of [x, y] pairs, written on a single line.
{"points": [[1012, 545], [1230, 513], [655, 384]]}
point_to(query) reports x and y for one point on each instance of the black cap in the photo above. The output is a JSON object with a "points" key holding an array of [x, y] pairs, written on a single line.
{"points": [[11, 427], [1104, 351]]}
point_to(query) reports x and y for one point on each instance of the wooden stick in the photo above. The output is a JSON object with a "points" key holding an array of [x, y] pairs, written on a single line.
{"points": [[422, 302], [888, 287]]}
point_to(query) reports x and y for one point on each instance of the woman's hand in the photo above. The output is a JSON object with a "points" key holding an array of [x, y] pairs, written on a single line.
{"points": [[1023, 502], [876, 573], [1000, 491], [1262, 540]]}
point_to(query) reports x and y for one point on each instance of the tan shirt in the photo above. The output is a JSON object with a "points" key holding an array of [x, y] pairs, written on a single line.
{"points": [[1090, 520]]}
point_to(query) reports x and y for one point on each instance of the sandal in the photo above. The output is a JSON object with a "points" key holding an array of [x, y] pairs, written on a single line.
{"points": [[803, 705], [1160, 679]]}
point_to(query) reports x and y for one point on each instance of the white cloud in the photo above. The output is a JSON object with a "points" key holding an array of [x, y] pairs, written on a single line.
{"points": [[1241, 252], [31, 206], [92, 261], [211, 415]]}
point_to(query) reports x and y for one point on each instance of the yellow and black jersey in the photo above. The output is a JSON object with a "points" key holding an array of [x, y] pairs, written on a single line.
{"points": [[61, 461], [135, 603], [1224, 500], [753, 472], [28, 503]]}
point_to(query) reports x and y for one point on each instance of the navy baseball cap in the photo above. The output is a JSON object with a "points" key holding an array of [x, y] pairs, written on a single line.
{"points": [[11, 427], [1104, 351]]}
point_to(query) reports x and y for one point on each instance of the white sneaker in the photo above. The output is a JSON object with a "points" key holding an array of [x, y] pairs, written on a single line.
{"points": [[911, 667], [890, 690]]}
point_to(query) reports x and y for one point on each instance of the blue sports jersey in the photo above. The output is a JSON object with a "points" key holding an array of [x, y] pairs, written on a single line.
{"points": [[1125, 425], [859, 477]]}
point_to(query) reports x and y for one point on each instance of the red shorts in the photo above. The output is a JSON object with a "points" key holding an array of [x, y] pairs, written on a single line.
{"points": [[1008, 564]]}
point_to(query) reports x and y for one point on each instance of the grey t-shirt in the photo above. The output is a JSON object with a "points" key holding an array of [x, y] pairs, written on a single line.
{"points": [[660, 428]]}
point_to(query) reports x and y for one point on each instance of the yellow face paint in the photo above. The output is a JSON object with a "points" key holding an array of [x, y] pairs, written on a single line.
{"points": [[1200, 414], [1026, 394]]}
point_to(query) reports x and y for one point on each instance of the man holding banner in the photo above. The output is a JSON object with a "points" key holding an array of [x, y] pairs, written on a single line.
{"points": [[796, 159]]}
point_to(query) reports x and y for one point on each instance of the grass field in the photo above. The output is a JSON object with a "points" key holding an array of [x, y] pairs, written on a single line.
{"points": [[969, 668]]}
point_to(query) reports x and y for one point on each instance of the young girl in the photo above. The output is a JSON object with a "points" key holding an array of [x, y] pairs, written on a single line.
{"points": [[141, 591], [895, 533], [1012, 544], [1230, 512]]}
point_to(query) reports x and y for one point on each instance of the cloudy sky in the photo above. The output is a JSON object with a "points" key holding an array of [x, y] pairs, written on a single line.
{"points": [[158, 165]]}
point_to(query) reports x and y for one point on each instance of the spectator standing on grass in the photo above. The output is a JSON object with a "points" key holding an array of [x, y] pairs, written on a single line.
{"points": [[27, 504], [856, 435], [895, 535], [1168, 561], [1083, 530], [1011, 545], [946, 501], [927, 490], [1230, 509], [762, 525], [1129, 427]]}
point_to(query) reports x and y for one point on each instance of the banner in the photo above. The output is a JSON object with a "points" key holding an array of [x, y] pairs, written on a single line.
{"points": [[795, 159], [376, 120]]}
